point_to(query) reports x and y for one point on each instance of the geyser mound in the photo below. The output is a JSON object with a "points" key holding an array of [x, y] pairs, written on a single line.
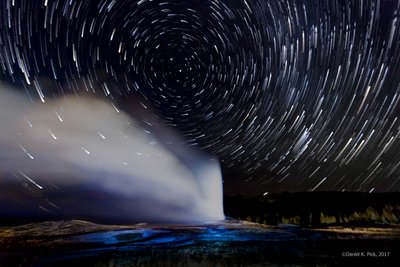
{"points": [[82, 158]]}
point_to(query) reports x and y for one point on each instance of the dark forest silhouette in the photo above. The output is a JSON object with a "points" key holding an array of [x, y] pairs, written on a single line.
{"points": [[317, 208]]}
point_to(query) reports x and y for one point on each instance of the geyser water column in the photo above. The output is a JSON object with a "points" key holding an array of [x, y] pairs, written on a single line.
{"points": [[82, 158]]}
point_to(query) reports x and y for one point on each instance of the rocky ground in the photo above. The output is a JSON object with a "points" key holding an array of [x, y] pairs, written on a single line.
{"points": [[227, 243]]}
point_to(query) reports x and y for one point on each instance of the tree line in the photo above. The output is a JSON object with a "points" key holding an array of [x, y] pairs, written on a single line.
{"points": [[313, 209]]}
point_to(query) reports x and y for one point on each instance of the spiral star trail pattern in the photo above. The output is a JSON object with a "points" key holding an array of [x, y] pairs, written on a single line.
{"points": [[290, 95]]}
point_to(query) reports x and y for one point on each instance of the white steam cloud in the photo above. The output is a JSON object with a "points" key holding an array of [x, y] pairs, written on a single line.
{"points": [[84, 158]]}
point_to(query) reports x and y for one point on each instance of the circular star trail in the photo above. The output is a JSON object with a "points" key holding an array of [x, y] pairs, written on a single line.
{"points": [[290, 95]]}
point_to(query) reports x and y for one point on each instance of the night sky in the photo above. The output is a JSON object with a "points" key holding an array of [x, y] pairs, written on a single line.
{"points": [[289, 95]]}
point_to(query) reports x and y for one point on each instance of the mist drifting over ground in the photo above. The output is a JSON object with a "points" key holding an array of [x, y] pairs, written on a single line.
{"points": [[82, 157]]}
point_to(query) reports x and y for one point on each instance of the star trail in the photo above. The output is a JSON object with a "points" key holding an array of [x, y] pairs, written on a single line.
{"points": [[289, 95]]}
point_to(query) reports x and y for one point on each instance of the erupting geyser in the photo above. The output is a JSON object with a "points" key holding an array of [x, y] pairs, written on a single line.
{"points": [[83, 158]]}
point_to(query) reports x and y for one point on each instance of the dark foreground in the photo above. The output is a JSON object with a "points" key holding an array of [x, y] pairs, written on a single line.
{"points": [[228, 243]]}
